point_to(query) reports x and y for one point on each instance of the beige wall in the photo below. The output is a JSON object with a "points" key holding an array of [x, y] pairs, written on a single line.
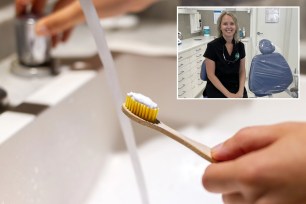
{"points": [[207, 17], [301, 3]]}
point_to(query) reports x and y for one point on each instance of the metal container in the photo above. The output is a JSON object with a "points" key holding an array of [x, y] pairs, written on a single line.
{"points": [[32, 50]]}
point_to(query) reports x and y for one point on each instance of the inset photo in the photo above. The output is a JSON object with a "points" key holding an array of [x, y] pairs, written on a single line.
{"points": [[238, 52]]}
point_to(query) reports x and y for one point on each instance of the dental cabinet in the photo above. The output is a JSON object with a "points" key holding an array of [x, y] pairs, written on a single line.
{"points": [[190, 58], [189, 67]]}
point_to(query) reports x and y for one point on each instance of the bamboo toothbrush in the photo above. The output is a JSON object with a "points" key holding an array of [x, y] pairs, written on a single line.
{"points": [[144, 111]]}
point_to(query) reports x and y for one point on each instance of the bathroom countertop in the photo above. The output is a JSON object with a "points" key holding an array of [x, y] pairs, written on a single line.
{"points": [[18, 88], [41, 92], [150, 38], [153, 38]]}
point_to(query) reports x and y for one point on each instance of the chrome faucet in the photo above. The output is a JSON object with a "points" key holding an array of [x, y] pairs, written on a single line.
{"points": [[32, 50]]}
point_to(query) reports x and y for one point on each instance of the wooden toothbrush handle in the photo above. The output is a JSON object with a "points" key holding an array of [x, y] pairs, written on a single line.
{"points": [[201, 149], [197, 147]]}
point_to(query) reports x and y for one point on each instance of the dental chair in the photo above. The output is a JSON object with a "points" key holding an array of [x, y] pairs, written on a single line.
{"points": [[269, 72]]}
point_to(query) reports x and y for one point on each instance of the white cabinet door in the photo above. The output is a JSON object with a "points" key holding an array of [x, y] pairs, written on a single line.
{"points": [[189, 67]]}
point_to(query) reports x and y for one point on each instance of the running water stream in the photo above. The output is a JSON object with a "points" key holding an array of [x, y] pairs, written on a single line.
{"points": [[93, 23]]}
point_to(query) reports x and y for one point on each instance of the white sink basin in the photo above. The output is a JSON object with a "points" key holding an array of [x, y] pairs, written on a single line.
{"points": [[73, 152]]}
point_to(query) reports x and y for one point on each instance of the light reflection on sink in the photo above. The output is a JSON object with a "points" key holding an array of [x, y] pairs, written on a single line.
{"points": [[19, 87]]}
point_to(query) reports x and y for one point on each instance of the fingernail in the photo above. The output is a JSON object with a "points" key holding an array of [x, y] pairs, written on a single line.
{"points": [[217, 148], [219, 152], [42, 30]]}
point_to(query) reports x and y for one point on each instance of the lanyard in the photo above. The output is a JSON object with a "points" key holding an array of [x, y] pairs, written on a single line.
{"points": [[231, 61]]}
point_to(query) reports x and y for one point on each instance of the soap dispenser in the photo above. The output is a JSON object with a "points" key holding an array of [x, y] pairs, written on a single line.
{"points": [[240, 33]]}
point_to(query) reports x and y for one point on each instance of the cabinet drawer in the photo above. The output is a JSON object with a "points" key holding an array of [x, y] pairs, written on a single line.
{"points": [[198, 55], [199, 50], [183, 63], [184, 88], [185, 74], [184, 55], [182, 79], [199, 61], [189, 84]]}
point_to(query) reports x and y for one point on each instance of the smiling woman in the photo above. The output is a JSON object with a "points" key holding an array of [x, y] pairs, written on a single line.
{"points": [[225, 61]]}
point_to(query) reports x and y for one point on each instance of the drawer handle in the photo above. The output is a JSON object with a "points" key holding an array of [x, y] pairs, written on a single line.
{"points": [[182, 86], [182, 93], [181, 65], [180, 57], [181, 79], [181, 72]]}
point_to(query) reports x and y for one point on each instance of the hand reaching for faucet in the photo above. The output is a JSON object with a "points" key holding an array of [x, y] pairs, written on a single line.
{"points": [[264, 164], [68, 13]]}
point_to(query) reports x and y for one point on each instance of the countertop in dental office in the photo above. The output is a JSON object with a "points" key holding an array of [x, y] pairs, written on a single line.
{"points": [[148, 38], [189, 43]]}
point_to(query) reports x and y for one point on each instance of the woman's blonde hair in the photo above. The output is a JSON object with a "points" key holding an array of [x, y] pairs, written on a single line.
{"points": [[236, 34]]}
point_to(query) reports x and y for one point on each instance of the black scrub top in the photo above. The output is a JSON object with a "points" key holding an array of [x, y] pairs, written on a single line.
{"points": [[226, 66]]}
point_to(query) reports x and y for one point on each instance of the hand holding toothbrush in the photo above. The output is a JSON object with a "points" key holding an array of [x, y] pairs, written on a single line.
{"points": [[261, 165]]}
